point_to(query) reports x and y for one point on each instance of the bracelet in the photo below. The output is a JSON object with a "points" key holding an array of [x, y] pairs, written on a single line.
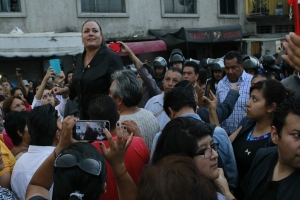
{"points": [[54, 153], [121, 174]]}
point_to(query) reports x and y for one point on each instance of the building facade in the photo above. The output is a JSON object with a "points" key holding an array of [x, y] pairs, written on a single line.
{"points": [[131, 20]]}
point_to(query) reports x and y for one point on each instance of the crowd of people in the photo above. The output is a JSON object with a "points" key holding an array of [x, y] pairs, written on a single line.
{"points": [[225, 128]]}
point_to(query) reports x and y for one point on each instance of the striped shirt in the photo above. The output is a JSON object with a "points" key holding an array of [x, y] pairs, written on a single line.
{"points": [[232, 122]]}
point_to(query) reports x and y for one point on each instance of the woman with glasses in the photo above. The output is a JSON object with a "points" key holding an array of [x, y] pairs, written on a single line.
{"points": [[193, 138]]}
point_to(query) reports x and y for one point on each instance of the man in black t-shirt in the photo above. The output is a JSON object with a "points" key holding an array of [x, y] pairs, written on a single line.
{"points": [[275, 171]]}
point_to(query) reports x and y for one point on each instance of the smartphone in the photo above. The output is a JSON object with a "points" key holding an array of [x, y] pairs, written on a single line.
{"points": [[90, 130], [55, 64], [207, 87], [115, 47]]}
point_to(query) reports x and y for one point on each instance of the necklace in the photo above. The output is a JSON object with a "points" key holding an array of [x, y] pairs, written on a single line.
{"points": [[249, 138]]}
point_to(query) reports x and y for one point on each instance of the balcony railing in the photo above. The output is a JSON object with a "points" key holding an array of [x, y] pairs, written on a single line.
{"points": [[267, 7]]}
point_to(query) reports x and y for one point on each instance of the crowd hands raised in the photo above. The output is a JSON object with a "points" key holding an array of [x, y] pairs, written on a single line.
{"points": [[218, 129]]}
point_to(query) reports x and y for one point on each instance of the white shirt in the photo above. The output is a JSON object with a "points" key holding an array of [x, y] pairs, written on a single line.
{"points": [[26, 166], [155, 105], [60, 107]]}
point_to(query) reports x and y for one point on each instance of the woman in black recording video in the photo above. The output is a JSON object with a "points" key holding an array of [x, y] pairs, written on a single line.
{"points": [[93, 68]]}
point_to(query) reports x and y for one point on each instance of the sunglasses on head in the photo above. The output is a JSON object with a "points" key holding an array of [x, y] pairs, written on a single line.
{"points": [[89, 165]]}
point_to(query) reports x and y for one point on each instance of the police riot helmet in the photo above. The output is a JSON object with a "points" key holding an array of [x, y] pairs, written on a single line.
{"points": [[192, 60], [176, 56], [159, 62], [268, 60], [218, 65], [251, 63]]}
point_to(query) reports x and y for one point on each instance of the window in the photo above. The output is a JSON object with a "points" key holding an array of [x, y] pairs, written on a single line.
{"points": [[263, 29], [179, 8], [12, 8], [228, 8], [102, 8]]}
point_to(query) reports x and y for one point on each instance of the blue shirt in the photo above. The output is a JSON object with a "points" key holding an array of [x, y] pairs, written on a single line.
{"points": [[239, 110], [225, 151], [155, 105]]}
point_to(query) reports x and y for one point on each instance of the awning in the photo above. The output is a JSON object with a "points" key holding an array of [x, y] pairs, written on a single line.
{"points": [[174, 37], [60, 44], [146, 47], [40, 44]]}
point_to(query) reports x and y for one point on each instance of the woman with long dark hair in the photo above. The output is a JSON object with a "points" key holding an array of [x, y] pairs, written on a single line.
{"points": [[265, 96]]}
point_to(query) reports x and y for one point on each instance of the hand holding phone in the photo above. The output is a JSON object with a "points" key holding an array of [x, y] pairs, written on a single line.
{"points": [[116, 47], [90, 130], [207, 87], [19, 71], [55, 64]]}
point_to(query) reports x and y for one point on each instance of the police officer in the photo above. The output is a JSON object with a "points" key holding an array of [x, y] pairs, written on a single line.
{"points": [[251, 65], [176, 58], [217, 73], [160, 67], [270, 69]]}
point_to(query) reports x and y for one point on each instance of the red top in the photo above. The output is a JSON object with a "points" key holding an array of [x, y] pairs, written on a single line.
{"points": [[28, 106], [137, 156]]}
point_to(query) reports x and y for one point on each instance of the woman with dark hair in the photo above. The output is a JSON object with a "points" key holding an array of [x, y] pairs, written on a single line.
{"points": [[254, 133], [193, 138], [18, 92], [175, 177], [94, 68], [17, 130], [88, 179], [13, 103]]}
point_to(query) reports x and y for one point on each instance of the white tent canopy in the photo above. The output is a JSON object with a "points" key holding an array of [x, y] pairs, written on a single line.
{"points": [[40, 44]]}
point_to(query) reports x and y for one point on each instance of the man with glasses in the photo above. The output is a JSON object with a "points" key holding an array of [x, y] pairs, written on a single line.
{"points": [[235, 75], [179, 102]]}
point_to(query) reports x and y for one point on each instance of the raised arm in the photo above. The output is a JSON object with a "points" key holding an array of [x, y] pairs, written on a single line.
{"points": [[115, 157], [40, 186], [225, 108], [21, 83], [212, 102], [142, 71], [125, 49], [50, 73]]}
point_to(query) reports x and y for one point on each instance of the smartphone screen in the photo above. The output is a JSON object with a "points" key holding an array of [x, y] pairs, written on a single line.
{"points": [[115, 46], [207, 87], [55, 64], [90, 130]]}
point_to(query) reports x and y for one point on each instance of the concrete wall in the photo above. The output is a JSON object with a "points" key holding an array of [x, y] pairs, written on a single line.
{"points": [[61, 16]]}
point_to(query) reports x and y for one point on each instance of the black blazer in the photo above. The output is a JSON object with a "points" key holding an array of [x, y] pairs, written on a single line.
{"points": [[95, 78], [262, 164]]}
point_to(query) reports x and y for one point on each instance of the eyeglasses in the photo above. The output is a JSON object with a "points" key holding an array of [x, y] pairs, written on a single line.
{"points": [[88, 165], [208, 152]]}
